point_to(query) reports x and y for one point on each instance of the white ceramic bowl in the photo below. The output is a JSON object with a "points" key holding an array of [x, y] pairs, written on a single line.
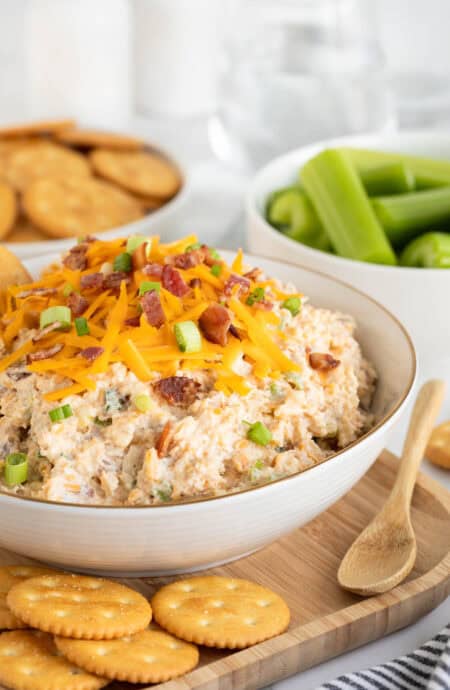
{"points": [[197, 534], [419, 297], [165, 222]]}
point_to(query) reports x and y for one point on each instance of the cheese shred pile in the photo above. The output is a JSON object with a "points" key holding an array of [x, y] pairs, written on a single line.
{"points": [[149, 352]]}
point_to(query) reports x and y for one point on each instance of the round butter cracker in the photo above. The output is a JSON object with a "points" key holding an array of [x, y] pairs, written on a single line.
{"points": [[92, 138], [43, 159], [77, 206], [143, 173], [8, 209], [25, 231], [81, 607], [11, 575], [36, 128], [220, 611], [12, 271], [438, 449], [150, 656], [29, 660]]}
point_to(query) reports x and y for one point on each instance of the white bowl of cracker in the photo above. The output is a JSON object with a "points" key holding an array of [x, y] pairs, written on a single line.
{"points": [[186, 407], [59, 181]]}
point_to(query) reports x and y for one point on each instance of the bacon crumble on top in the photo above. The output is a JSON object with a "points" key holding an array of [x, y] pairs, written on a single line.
{"points": [[323, 361], [173, 282], [44, 354], [91, 353], [77, 303], [242, 283], [215, 323], [180, 391], [76, 259], [151, 305]]}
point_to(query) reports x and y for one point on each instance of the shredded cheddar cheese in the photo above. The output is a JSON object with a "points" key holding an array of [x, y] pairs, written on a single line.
{"points": [[119, 330]]}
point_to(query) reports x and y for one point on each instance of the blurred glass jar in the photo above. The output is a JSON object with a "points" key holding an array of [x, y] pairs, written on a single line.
{"points": [[296, 71]]}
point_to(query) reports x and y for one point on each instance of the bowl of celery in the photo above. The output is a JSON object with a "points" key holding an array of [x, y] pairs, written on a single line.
{"points": [[372, 210]]}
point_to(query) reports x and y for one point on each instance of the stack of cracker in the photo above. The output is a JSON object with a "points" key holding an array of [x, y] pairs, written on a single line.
{"points": [[59, 181], [86, 631]]}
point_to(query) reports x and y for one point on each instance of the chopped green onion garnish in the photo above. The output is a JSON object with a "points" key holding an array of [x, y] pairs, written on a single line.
{"points": [[68, 289], [255, 470], [103, 422], [259, 433], [82, 239], [292, 304], [187, 336], [81, 326], [216, 270], [255, 296], [113, 401], [192, 247], [148, 285], [16, 469], [215, 254], [134, 242], [143, 402], [58, 414], [122, 262], [52, 314], [164, 495]]}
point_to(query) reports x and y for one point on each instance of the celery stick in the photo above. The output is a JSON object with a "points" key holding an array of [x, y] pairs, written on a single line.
{"points": [[405, 216], [291, 212], [390, 178], [431, 250], [428, 172], [340, 200]]}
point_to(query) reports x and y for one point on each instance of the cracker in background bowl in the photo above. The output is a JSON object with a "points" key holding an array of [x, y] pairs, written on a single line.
{"points": [[93, 138], [40, 159], [77, 206], [38, 127], [8, 208], [140, 172]]}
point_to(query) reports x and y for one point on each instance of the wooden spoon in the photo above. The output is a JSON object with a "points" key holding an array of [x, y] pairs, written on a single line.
{"points": [[385, 552]]}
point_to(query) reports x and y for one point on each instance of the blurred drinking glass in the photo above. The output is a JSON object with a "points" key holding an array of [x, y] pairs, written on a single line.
{"points": [[296, 71]]}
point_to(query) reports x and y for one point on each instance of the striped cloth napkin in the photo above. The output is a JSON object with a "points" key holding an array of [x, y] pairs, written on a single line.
{"points": [[428, 668]]}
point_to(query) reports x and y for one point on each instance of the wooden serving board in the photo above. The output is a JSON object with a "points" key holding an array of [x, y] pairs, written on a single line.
{"points": [[326, 621]]}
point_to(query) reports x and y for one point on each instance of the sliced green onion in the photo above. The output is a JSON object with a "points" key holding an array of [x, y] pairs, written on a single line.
{"points": [[134, 242], [257, 295], [68, 289], [148, 285], [113, 401], [215, 254], [292, 304], [122, 262], [58, 414], [187, 336], [255, 470], [81, 326], [259, 433], [341, 202], [192, 247], [52, 314], [216, 270], [102, 422], [143, 402], [164, 495], [16, 469]]}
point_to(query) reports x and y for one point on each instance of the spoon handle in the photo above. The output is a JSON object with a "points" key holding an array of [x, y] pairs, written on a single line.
{"points": [[424, 414]]}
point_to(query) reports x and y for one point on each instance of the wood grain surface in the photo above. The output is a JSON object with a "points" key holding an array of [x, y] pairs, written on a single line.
{"points": [[326, 620]]}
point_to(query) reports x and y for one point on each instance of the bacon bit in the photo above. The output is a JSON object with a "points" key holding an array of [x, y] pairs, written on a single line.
{"points": [[188, 259], [92, 281], [234, 279], [91, 353], [177, 390], [133, 321], [163, 443], [37, 292], [153, 270], [113, 280], [173, 282], [139, 256], [151, 304], [45, 331], [208, 258], [235, 332], [44, 354], [254, 274], [263, 304], [195, 283], [77, 304], [76, 258], [323, 362], [215, 323]]}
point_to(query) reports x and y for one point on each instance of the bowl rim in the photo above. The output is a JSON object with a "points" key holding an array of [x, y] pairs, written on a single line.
{"points": [[385, 419], [252, 205]]}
